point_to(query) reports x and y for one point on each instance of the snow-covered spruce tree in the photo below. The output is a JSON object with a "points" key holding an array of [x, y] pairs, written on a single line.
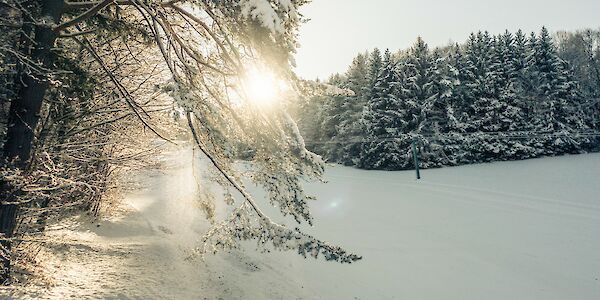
{"points": [[483, 111], [478, 58], [461, 93], [440, 147], [457, 94], [520, 79], [341, 125], [333, 110], [468, 90], [417, 86], [494, 111], [509, 63], [556, 96], [319, 114], [375, 64], [385, 147], [350, 128], [356, 75], [433, 111], [420, 103]]}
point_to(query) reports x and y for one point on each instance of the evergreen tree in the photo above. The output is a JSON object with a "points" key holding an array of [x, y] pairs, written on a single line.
{"points": [[356, 76], [347, 139], [375, 65], [383, 120], [417, 87], [518, 79], [462, 95], [333, 109], [438, 114], [470, 78], [552, 87]]}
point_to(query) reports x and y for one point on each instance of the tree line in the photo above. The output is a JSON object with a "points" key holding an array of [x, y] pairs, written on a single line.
{"points": [[494, 97]]}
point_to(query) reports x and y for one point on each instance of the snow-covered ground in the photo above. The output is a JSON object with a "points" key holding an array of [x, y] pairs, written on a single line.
{"points": [[507, 230]]}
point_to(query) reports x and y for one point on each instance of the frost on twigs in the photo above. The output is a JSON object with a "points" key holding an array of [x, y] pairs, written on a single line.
{"points": [[244, 225], [228, 126], [281, 173]]}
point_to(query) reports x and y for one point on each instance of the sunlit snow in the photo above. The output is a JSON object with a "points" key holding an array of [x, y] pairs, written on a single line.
{"points": [[507, 230]]}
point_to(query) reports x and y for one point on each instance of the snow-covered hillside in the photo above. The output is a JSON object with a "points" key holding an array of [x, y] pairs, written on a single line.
{"points": [[507, 230]]}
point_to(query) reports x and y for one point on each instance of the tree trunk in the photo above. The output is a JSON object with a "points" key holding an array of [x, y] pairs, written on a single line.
{"points": [[25, 108], [23, 118]]}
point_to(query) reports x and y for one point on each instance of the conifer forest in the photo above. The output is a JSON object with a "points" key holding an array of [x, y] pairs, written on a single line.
{"points": [[509, 96]]}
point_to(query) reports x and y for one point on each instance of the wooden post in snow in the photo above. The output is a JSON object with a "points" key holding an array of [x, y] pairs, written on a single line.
{"points": [[416, 158]]}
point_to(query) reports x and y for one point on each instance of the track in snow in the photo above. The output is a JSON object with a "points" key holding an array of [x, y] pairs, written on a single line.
{"points": [[507, 230]]}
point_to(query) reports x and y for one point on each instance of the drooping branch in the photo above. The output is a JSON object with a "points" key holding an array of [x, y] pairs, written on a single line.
{"points": [[247, 197], [167, 27], [122, 90], [88, 4], [84, 16], [197, 20]]}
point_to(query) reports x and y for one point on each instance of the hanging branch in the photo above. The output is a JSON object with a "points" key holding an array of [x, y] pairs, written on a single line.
{"points": [[244, 194], [84, 16], [120, 88]]}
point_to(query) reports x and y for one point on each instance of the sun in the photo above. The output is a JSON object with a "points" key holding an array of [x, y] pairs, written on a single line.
{"points": [[262, 87]]}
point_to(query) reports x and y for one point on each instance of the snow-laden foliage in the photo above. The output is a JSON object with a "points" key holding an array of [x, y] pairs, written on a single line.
{"points": [[91, 82], [271, 14], [227, 125], [244, 224]]}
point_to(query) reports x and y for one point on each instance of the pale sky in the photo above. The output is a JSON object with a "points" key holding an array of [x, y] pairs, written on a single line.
{"points": [[339, 29]]}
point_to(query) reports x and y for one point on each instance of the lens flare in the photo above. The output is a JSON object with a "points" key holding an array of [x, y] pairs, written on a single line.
{"points": [[263, 87]]}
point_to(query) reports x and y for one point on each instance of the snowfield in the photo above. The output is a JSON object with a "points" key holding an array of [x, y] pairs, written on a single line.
{"points": [[506, 230]]}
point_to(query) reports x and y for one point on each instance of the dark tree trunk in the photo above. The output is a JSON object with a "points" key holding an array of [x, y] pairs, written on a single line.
{"points": [[8, 213], [23, 118], [25, 108]]}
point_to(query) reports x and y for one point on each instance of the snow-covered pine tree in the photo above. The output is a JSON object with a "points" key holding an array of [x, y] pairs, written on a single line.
{"points": [[347, 141], [555, 95], [375, 66], [582, 50], [509, 63], [416, 88], [487, 107], [332, 111], [418, 97], [439, 89], [462, 94], [437, 147], [548, 81], [520, 79], [488, 78], [467, 61], [469, 90], [383, 121], [426, 90]]}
